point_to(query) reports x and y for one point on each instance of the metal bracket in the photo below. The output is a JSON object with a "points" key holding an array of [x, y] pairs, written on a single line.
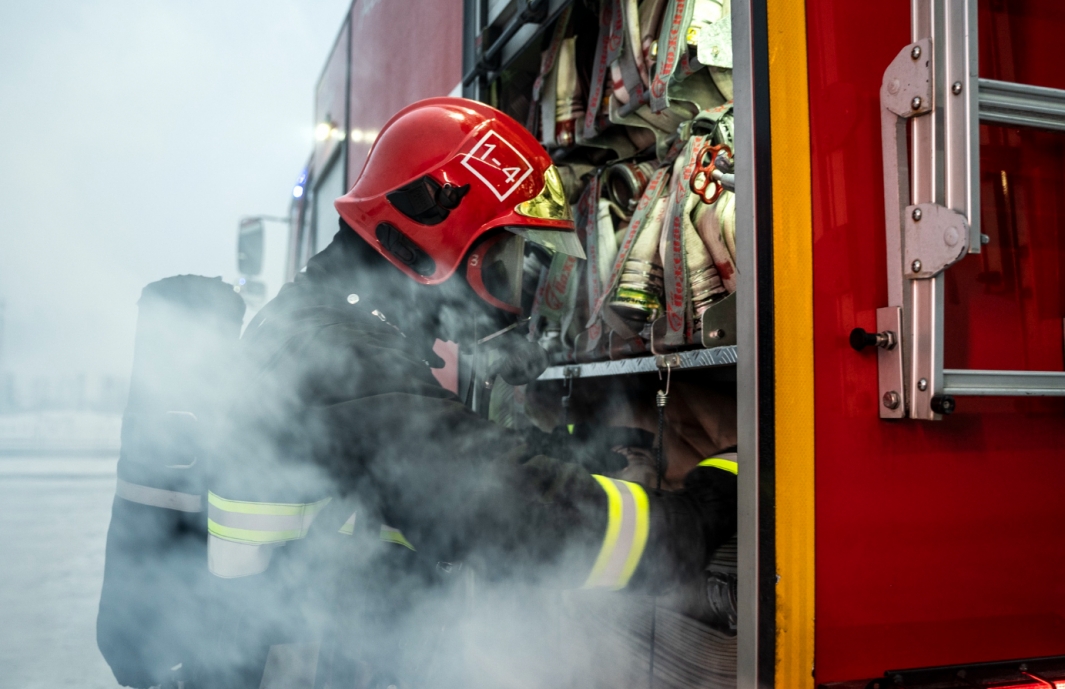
{"points": [[889, 365], [719, 323], [935, 239], [666, 361], [907, 87], [718, 328], [906, 92]]}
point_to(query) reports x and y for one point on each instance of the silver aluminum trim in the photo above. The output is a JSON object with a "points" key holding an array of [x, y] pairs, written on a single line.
{"points": [[926, 345], [955, 62], [972, 383], [699, 358], [1022, 105], [972, 95], [748, 604]]}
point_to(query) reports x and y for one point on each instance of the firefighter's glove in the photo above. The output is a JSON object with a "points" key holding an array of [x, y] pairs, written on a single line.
{"points": [[593, 452], [712, 492], [518, 361], [687, 527]]}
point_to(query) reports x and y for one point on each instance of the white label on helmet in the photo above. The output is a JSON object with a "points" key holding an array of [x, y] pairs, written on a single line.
{"points": [[494, 161]]}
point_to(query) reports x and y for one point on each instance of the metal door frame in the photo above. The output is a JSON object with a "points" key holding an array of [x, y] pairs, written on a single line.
{"points": [[756, 652]]}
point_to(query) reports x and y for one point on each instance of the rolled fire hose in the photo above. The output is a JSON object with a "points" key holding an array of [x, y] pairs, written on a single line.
{"points": [[569, 103], [607, 241], [704, 281], [708, 224], [651, 12], [617, 84], [639, 294], [632, 34], [726, 217], [676, 179]]}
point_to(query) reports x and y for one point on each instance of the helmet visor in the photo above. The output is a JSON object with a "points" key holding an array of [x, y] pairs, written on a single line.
{"points": [[550, 203], [555, 241]]}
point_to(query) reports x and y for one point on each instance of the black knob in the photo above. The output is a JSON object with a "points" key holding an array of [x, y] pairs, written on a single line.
{"points": [[861, 339], [942, 404]]}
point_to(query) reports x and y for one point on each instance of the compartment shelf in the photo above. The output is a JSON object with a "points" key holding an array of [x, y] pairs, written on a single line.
{"points": [[694, 359]]}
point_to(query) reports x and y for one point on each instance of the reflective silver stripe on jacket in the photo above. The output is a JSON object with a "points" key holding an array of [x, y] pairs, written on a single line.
{"points": [[157, 497]]}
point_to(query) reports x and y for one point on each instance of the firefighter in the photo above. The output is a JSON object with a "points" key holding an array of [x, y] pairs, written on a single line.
{"points": [[341, 442]]}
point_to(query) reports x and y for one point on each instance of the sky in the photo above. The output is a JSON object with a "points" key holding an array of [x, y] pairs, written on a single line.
{"points": [[134, 134]]}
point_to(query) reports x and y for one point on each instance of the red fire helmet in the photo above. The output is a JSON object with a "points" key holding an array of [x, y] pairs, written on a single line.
{"points": [[442, 173]]}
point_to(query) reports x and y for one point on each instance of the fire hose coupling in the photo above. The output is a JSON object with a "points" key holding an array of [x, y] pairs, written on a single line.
{"points": [[860, 339], [713, 172], [724, 172]]}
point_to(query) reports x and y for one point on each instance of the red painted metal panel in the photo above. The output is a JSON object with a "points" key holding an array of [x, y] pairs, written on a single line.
{"points": [[330, 100], [402, 51], [937, 543]]}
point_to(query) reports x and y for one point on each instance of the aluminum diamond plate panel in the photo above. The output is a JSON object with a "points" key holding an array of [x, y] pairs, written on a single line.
{"points": [[699, 358]]}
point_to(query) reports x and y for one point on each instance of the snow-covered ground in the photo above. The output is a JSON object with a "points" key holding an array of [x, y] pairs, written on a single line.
{"points": [[60, 432], [54, 513]]}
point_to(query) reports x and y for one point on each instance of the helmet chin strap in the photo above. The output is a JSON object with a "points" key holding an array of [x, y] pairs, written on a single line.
{"points": [[512, 326], [521, 362]]}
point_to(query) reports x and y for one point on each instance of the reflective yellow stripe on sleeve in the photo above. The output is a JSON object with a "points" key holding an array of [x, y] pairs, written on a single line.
{"points": [[390, 534], [723, 464], [348, 528], [628, 521], [260, 523]]}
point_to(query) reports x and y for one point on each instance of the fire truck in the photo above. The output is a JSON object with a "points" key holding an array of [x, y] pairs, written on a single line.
{"points": [[891, 341]]}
